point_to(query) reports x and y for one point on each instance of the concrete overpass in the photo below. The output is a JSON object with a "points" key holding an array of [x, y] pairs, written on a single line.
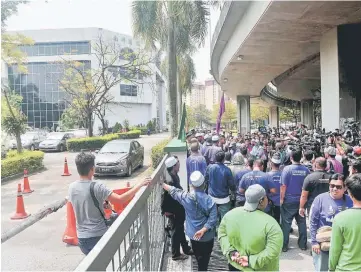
{"points": [[305, 49]]}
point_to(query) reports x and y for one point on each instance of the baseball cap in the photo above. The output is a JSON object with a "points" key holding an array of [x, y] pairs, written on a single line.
{"points": [[330, 150], [170, 162], [215, 138], [197, 179], [276, 158], [253, 195]]}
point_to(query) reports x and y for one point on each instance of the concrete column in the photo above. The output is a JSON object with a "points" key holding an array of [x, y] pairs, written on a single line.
{"points": [[243, 114], [307, 113], [274, 119], [340, 59]]}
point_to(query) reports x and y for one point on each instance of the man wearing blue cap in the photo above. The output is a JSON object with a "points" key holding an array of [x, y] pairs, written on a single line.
{"points": [[201, 217]]}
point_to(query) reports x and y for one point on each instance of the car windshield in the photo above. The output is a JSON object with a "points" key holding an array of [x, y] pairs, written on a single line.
{"points": [[115, 147], [27, 137], [55, 136]]}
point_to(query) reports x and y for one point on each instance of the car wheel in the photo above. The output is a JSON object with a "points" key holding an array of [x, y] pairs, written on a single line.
{"points": [[129, 170], [61, 148], [32, 147]]}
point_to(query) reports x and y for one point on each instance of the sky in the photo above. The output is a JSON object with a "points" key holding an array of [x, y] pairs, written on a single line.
{"points": [[113, 15]]}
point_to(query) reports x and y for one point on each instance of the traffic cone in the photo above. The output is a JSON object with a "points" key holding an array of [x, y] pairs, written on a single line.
{"points": [[70, 236], [66, 169], [27, 189], [20, 209]]}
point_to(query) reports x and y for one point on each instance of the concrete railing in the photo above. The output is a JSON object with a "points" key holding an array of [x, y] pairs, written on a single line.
{"points": [[136, 240]]}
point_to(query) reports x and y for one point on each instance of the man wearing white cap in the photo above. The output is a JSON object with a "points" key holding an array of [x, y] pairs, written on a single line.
{"points": [[175, 212], [251, 239], [211, 152], [201, 217]]}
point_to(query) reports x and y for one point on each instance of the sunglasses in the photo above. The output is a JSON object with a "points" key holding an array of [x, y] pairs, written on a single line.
{"points": [[338, 187]]}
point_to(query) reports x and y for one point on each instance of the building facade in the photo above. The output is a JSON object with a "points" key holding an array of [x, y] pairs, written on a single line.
{"points": [[44, 99]]}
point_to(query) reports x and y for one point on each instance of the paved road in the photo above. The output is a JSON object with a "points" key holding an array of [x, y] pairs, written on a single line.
{"points": [[40, 246]]}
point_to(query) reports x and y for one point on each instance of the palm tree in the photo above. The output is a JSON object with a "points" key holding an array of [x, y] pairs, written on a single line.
{"points": [[177, 27]]}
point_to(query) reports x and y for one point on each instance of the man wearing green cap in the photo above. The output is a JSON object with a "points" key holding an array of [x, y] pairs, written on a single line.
{"points": [[251, 239]]}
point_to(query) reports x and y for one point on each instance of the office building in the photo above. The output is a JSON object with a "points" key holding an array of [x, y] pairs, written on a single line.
{"points": [[44, 99]]}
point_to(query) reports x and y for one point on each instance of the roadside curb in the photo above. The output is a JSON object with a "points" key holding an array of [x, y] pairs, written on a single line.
{"points": [[5, 180]]}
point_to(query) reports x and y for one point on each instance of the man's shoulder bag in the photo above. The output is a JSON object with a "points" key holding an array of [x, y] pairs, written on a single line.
{"points": [[113, 216]]}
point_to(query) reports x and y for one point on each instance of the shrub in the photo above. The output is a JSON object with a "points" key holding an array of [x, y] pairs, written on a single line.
{"points": [[158, 152], [16, 163], [92, 143]]}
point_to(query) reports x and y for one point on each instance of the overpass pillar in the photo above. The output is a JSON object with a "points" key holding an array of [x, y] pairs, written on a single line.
{"points": [[340, 60], [274, 116], [243, 114], [307, 113]]}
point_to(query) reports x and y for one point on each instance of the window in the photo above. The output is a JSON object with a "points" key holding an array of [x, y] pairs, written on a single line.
{"points": [[54, 49], [128, 90]]}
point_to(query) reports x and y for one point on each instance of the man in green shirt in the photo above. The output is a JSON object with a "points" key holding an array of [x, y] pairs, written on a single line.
{"points": [[251, 239], [345, 250]]}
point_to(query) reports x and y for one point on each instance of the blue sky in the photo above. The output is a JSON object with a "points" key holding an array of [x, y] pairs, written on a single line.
{"points": [[114, 15]]}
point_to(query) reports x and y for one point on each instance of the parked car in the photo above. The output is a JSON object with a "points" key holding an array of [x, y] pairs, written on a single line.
{"points": [[79, 133], [30, 140], [119, 158], [55, 141]]}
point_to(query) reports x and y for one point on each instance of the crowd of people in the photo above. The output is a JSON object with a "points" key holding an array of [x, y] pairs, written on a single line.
{"points": [[246, 190]]}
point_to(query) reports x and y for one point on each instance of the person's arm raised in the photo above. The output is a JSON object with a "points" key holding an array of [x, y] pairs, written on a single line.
{"points": [[127, 196]]}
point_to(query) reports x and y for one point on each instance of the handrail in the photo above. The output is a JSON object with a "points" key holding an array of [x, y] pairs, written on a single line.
{"points": [[135, 241]]}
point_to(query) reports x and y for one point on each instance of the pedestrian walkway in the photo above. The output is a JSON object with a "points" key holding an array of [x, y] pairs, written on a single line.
{"points": [[217, 262]]}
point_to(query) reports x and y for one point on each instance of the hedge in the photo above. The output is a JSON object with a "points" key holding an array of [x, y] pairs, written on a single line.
{"points": [[92, 143], [158, 153], [15, 164]]}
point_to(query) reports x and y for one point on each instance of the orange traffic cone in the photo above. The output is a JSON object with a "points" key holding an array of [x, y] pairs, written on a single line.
{"points": [[66, 169], [20, 209], [70, 236], [27, 189]]}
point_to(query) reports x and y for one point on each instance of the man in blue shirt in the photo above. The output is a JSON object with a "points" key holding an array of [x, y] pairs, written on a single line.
{"points": [[195, 162], [253, 177], [292, 179], [220, 182], [201, 218], [274, 178], [211, 152], [240, 197]]}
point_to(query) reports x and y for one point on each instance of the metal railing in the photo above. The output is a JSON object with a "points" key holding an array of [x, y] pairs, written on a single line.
{"points": [[136, 240]]}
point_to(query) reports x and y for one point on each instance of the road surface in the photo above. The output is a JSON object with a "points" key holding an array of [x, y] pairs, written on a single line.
{"points": [[40, 247]]}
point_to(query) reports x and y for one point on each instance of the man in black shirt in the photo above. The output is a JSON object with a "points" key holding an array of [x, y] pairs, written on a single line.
{"points": [[314, 184]]}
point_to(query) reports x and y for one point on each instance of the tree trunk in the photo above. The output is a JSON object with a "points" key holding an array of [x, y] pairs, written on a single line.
{"points": [[19, 146], [179, 98], [90, 125], [172, 79]]}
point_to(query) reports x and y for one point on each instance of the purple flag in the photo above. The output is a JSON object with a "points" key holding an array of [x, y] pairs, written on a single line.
{"points": [[222, 109]]}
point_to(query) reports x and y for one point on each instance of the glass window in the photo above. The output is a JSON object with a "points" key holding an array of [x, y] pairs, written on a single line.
{"points": [[128, 90], [47, 50], [41, 50], [67, 49]]}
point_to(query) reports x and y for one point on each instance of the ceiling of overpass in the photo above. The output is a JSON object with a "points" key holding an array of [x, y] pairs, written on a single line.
{"points": [[286, 34]]}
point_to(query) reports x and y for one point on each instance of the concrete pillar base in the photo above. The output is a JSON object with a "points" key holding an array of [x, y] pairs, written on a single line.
{"points": [[274, 116], [307, 113], [243, 114]]}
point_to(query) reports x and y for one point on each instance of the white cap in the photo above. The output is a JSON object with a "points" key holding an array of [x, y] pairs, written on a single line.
{"points": [[198, 135], [170, 162], [197, 179], [215, 138]]}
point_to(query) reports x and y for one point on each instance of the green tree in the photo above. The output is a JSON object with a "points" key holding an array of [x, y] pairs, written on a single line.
{"points": [[13, 121], [88, 90], [259, 114], [126, 124], [202, 115], [178, 27], [190, 121], [229, 115], [291, 113]]}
